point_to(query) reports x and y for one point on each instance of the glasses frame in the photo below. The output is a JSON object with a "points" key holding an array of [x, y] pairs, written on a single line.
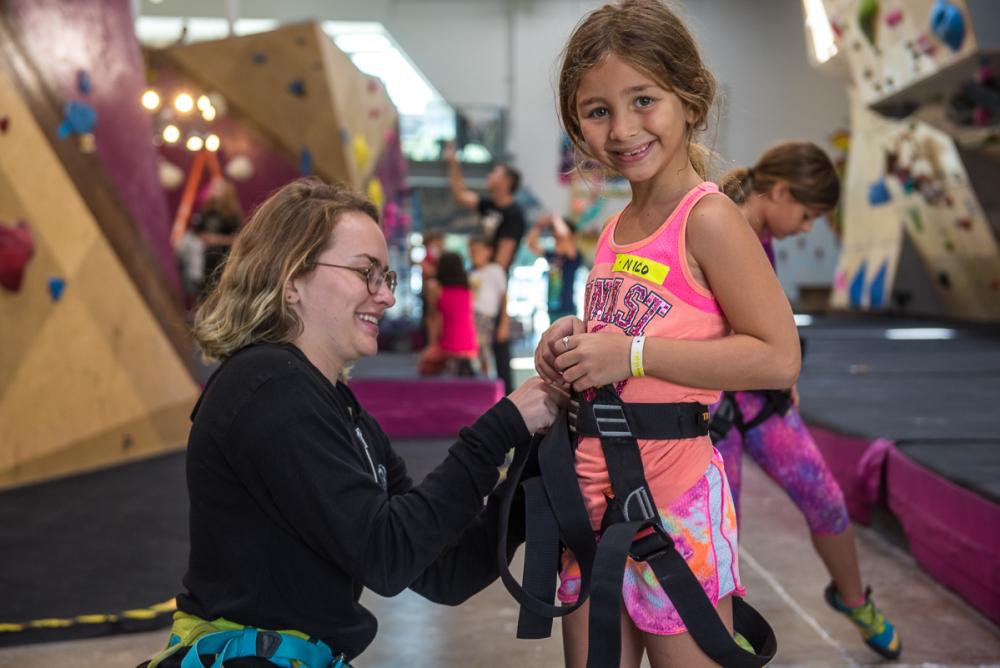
{"points": [[388, 277]]}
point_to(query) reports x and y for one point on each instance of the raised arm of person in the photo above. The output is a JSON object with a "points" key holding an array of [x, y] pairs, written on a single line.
{"points": [[535, 234], [465, 197], [762, 351]]}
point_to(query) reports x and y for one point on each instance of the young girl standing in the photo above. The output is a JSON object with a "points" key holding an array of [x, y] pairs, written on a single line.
{"points": [[681, 299], [790, 186]]}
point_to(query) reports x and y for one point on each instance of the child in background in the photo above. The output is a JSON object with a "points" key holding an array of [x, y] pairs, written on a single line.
{"points": [[488, 281], [564, 261], [451, 330], [681, 298], [791, 185]]}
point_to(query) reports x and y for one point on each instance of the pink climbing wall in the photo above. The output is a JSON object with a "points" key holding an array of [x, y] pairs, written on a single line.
{"points": [[63, 37]]}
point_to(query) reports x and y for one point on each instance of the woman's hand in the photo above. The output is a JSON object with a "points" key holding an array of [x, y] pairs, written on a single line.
{"points": [[538, 402], [551, 345], [593, 360]]}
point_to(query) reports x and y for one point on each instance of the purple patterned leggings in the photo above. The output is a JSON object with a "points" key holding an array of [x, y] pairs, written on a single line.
{"points": [[784, 448]]}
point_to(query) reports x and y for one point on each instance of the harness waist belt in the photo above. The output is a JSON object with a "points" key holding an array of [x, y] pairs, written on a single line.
{"points": [[640, 421]]}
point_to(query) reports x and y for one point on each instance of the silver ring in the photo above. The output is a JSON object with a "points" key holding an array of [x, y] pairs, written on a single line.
{"points": [[565, 341]]}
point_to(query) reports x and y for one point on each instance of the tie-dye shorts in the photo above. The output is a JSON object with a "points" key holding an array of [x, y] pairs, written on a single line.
{"points": [[702, 522]]}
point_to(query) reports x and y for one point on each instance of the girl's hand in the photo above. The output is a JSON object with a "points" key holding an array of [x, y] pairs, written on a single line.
{"points": [[551, 345], [593, 360]]}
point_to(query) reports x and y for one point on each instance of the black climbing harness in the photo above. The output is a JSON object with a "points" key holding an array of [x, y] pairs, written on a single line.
{"points": [[555, 517], [728, 414]]}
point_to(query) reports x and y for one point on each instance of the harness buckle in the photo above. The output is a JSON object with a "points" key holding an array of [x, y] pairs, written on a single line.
{"points": [[651, 545], [611, 421]]}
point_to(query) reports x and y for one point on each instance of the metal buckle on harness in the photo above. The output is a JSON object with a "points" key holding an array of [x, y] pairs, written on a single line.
{"points": [[612, 421]]}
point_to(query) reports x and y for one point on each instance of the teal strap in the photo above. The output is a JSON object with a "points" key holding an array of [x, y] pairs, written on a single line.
{"points": [[225, 645]]}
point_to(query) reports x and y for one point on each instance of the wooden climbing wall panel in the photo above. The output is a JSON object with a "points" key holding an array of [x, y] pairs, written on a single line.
{"points": [[906, 176], [302, 92], [87, 376]]}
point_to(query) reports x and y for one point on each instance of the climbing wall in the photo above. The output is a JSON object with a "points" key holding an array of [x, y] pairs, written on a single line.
{"points": [[304, 93], [87, 375], [923, 83]]}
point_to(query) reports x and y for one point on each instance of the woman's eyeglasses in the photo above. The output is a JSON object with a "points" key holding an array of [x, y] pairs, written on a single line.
{"points": [[374, 276]]}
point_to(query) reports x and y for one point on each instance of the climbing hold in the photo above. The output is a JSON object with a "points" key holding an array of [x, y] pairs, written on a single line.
{"points": [[924, 45], [362, 152], [893, 18], [376, 194], [16, 248], [948, 24], [78, 118], [259, 57], [297, 88], [918, 224], [305, 161], [56, 287], [944, 280], [868, 11], [857, 285], [876, 292], [964, 224], [878, 193], [83, 81], [4, 124]]}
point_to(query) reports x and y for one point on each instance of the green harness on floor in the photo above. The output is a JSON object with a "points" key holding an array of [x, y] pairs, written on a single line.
{"points": [[192, 638]]}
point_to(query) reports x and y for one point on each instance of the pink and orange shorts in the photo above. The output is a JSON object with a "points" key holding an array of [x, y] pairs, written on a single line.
{"points": [[702, 522]]}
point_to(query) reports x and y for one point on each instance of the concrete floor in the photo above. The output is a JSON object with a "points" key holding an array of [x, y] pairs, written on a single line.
{"points": [[783, 577]]}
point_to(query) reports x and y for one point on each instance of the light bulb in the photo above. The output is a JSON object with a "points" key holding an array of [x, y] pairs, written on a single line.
{"points": [[212, 143], [184, 103], [151, 100], [171, 134], [194, 143]]}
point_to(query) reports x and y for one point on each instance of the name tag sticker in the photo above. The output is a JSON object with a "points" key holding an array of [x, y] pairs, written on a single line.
{"points": [[642, 267]]}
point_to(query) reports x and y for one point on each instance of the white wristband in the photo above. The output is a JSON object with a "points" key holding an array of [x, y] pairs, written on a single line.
{"points": [[635, 356]]}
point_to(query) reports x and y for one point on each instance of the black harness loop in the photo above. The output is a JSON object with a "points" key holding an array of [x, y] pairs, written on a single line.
{"points": [[555, 514]]}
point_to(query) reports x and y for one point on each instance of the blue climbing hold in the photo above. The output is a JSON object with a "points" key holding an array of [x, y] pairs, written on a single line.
{"points": [[857, 289], [56, 287], [876, 292], [259, 57], [878, 193], [79, 118], [305, 162], [948, 24], [297, 88], [83, 81]]}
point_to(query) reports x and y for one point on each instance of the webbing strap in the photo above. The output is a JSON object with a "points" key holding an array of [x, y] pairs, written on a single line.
{"points": [[607, 417], [272, 645], [542, 541]]}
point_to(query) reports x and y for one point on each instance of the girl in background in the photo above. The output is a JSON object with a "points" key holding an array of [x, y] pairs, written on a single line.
{"points": [[791, 185], [452, 344], [681, 298]]}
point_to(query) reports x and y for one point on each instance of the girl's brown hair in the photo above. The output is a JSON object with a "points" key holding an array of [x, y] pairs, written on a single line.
{"points": [[812, 179], [651, 38], [281, 241]]}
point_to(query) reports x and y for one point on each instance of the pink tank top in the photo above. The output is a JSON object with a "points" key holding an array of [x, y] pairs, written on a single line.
{"points": [[458, 329], [646, 288]]}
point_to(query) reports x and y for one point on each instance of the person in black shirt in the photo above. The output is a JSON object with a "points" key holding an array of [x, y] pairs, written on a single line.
{"points": [[216, 225], [298, 501], [503, 220]]}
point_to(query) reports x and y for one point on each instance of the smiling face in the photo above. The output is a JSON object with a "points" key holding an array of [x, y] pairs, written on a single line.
{"points": [[630, 122], [339, 317]]}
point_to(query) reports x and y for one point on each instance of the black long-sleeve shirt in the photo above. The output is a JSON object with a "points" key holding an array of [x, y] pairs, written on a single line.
{"points": [[298, 501]]}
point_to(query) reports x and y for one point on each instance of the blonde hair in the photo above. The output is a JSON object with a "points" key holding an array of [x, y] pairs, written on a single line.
{"points": [[812, 179], [650, 37], [281, 242]]}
